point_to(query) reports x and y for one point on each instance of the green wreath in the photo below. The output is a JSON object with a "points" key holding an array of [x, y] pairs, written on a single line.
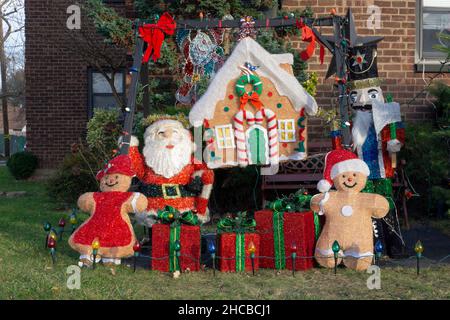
{"points": [[249, 79]]}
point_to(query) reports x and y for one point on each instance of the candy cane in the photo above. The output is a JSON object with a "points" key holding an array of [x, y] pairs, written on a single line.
{"points": [[272, 131], [240, 135]]}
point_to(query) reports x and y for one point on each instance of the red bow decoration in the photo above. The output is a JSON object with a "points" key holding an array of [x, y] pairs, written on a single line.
{"points": [[153, 35], [309, 36], [254, 99]]}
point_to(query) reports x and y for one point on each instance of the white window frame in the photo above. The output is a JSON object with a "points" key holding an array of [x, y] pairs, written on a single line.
{"points": [[427, 64], [225, 139], [287, 131]]}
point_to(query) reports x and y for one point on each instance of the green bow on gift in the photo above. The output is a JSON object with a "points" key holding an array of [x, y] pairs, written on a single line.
{"points": [[170, 215], [240, 224], [298, 202], [175, 218]]}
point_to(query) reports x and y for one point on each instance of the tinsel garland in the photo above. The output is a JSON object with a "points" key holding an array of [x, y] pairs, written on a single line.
{"points": [[301, 131]]}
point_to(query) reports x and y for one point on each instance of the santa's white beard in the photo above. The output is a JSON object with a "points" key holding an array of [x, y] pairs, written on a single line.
{"points": [[361, 124], [164, 161]]}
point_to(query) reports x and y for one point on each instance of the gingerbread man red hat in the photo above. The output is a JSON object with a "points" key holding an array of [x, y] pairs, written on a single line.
{"points": [[337, 162], [118, 165]]}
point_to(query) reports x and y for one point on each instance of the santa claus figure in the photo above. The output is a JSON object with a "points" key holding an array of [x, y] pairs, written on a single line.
{"points": [[167, 172], [378, 135]]}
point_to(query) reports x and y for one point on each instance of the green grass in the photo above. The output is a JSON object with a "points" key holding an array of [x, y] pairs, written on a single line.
{"points": [[26, 270]]}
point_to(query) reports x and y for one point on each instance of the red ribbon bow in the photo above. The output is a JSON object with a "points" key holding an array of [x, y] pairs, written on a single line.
{"points": [[254, 99], [309, 36], [153, 35]]}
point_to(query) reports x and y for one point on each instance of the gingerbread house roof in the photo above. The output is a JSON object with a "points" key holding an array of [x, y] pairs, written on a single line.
{"points": [[248, 50]]}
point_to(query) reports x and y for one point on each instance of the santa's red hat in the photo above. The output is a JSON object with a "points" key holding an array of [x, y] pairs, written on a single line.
{"points": [[119, 165], [337, 162]]}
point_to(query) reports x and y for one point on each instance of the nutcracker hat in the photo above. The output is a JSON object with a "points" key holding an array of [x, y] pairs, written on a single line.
{"points": [[118, 165], [337, 162]]}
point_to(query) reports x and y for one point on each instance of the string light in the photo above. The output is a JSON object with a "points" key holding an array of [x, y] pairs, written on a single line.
{"points": [[336, 248], [178, 252], [137, 249], [95, 246], [293, 256], [418, 249], [61, 224], [252, 251], [378, 251], [51, 244], [73, 220], [212, 252]]}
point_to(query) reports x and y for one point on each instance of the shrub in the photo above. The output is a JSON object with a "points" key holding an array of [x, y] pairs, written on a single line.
{"points": [[22, 164], [103, 132], [75, 176], [427, 152]]}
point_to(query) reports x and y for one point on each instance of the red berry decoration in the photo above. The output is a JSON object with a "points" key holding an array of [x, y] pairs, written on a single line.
{"points": [[285, 145], [270, 94], [231, 97]]}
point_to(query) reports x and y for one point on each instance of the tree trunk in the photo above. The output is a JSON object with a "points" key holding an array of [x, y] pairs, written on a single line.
{"points": [[3, 70]]}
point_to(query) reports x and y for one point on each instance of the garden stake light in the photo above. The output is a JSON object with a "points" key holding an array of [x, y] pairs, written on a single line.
{"points": [[95, 247], [418, 249], [212, 251], [336, 247], [293, 257], [137, 249], [47, 228], [61, 224], [51, 244], [73, 220], [178, 252], [378, 251], [252, 250]]}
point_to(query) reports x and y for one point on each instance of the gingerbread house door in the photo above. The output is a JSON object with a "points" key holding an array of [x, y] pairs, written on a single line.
{"points": [[257, 145]]}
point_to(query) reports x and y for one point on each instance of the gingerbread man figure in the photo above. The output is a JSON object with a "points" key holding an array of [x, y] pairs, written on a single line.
{"points": [[109, 222], [347, 211]]}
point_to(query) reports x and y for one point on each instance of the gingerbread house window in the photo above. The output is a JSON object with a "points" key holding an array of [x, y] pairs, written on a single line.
{"points": [[286, 129], [225, 137]]}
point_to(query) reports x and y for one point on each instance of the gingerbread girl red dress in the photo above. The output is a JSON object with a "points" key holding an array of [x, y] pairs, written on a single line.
{"points": [[109, 222]]}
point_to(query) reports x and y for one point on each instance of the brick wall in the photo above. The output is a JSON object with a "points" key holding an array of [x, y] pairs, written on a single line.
{"points": [[56, 82], [57, 88], [396, 54]]}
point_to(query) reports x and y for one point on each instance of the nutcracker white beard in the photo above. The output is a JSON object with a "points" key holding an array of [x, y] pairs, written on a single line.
{"points": [[362, 122], [164, 161]]}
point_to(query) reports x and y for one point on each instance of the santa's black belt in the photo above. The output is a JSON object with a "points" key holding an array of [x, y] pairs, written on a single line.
{"points": [[167, 191]]}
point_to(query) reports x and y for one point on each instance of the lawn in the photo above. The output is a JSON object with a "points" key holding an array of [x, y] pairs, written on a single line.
{"points": [[26, 270]]}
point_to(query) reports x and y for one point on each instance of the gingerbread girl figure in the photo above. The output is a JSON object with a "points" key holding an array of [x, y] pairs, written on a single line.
{"points": [[347, 211], [109, 222]]}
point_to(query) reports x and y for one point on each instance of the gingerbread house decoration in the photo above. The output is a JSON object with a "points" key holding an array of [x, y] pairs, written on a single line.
{"points": [[254, 111]]}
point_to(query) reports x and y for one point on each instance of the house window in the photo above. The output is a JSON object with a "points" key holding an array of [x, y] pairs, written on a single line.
{"points": [[100, 91], [433, 20], [286, 130], [225, 137]]}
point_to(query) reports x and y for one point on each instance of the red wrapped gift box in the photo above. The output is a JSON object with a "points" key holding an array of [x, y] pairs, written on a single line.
{"points": [[227, 251], [298, 228], [190, 239]]}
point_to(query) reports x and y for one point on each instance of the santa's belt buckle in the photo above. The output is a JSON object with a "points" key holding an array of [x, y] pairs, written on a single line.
{"points": [[169, 189]]}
